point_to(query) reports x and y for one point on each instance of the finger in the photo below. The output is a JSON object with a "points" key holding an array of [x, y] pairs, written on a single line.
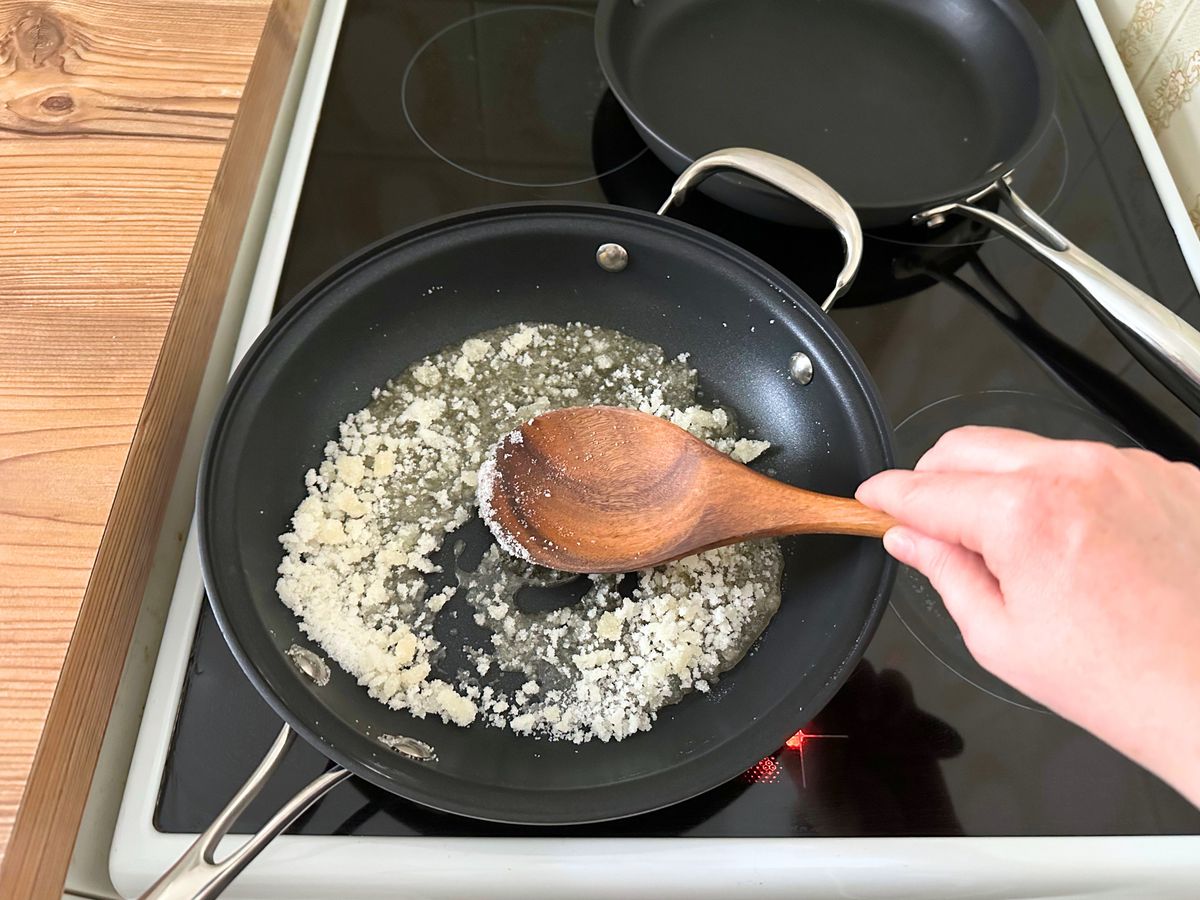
{"points": [[968, 508], [969, 590], [979, 448]]}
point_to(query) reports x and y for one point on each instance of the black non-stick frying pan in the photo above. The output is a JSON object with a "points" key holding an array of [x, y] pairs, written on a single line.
{"points": [[912, 109], [760, 346]]}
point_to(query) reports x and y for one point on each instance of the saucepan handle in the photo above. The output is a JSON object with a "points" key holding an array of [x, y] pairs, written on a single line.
{"points": [[792, 179], [196, 875], [1161, 341]]}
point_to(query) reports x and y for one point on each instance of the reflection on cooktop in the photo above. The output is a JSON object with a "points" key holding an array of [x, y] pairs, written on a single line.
{"points": [[538, 89]]}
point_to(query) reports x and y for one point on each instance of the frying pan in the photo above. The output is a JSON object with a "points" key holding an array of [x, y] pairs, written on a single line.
{"points": [[760, 345], [913, 109]]}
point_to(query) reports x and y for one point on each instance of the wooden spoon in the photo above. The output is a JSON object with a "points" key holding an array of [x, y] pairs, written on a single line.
{"points": [[601, 489]]}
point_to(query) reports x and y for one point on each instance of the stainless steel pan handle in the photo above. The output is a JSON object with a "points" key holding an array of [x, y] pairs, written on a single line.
{"points": [[1161, 341], [792, 179], [196, 875]]}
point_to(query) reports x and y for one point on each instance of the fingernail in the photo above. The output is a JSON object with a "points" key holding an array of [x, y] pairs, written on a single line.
{"points": [[897, 542]]}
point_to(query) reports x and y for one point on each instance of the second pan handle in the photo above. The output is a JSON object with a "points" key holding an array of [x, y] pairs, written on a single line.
{"points": [[1164, 343], [793, 179]]}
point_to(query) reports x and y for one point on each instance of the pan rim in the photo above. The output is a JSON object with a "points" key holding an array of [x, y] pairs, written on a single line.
{"points": [[900, 210], [412, 789]]}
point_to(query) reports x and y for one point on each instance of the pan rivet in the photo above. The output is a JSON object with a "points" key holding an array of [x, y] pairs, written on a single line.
{"points": [[310, 664], [801, 368], [612, 257], [409, 747], [936, 220]]}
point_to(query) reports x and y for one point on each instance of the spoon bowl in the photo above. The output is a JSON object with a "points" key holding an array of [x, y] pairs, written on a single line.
{"points": [[604, 489]]}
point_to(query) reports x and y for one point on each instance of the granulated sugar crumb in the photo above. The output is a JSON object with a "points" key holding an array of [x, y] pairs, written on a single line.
{"points": [[403, 474], [745, 450]]}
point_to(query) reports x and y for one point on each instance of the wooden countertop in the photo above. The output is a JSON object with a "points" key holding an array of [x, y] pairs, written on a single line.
{"points": [[114, 119]]}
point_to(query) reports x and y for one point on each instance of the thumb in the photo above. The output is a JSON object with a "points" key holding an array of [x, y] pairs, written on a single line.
{"points": [[961, 578]]}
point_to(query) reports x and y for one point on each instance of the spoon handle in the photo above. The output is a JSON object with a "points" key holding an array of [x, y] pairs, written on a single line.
{"points": [[842, 515], [768, 508]]}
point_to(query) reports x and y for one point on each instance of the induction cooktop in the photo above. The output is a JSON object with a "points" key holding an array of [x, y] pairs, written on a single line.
{"points": [[438, 106]]}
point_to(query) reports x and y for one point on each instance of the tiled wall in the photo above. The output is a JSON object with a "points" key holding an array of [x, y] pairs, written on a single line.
{"points": [[1159, 42]]}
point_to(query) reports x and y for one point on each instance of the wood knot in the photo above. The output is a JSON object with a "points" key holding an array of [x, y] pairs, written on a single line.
{"points": [[58, 103], [40, 37]]}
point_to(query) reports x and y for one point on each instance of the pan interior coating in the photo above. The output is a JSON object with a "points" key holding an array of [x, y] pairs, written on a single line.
{"points": [[895, 104], [476, 643]]}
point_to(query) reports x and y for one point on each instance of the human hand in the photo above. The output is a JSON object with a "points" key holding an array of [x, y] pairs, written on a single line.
{"points": [[1073, 571]]}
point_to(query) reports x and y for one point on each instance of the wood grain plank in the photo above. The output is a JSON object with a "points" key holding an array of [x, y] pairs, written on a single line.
{"points": [[171, 70], [113, 118]]}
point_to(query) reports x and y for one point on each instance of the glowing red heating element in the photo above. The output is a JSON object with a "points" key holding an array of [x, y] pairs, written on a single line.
{"points": [[796, 741], [765, 771]]}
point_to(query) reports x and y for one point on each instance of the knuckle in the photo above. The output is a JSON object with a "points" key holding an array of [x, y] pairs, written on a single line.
{"points": [[957, 437], [1141, 456], [1072, 497], [951, 444], [942, 448], [1074, 537], [1069, 523], [1030, 510], [971, 436], [1187, 471], [1093, 461], [1021, 500]]}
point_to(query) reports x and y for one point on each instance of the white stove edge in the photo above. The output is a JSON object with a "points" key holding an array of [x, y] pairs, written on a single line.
{"points": [[88, 873], [296, 866]]}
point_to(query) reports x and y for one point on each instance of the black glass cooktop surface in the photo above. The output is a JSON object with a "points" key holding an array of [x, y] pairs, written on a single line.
{"points": [[437, 106]]}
